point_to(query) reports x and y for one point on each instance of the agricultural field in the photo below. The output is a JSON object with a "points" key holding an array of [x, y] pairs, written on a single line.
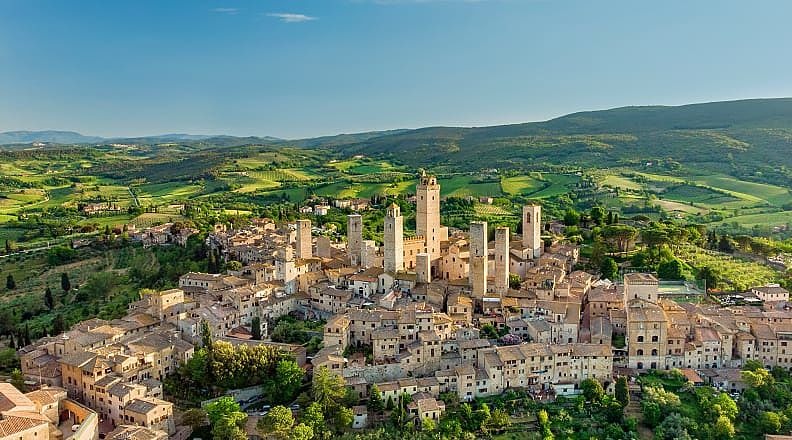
{"points": [[621, 182], [559, 184], [737, 274], [672, 206], [467, 186], [521, 185], [156, 193], [702, 196], [774, 195], [484, 210], [767, 219]]}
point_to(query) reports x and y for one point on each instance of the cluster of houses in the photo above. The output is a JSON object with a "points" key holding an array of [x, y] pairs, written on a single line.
{"points": [[442, 311]]}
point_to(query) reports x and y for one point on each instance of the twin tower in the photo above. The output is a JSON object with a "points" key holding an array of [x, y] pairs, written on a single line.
{"points": [[422, 253]]}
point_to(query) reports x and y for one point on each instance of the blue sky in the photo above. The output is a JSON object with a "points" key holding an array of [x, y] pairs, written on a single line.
{"points": [[298, 68]]}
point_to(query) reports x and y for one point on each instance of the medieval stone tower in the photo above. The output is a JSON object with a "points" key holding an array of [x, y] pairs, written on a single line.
{"points": [[394, 239], [427, 213], [304, 246], [355, 238], [479, 259], [532, 229], [423, 268], [501, 260]]}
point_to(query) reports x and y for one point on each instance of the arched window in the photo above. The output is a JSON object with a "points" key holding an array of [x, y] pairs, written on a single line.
{"points": [[639, 352], [654, 352], [640, 365]]}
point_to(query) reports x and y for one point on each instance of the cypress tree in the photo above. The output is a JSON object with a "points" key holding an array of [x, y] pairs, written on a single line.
{"points": [[49, 301], [65, 283]]}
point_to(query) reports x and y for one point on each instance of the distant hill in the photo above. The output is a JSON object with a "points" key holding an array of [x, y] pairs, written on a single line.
{"points": [[748, 133], [747, 138], [49, 136], [71, 137]]}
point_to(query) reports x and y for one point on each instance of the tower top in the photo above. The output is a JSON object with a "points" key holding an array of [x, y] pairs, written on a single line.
{"points": [[427, 180], [393, 210]]}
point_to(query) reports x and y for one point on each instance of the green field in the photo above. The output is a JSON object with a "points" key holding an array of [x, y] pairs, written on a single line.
{"points": [[772, 194], [521, 185], [621, 182], [700, 195], [768, 219], [559, 184], [166, 192], [464, 186]]}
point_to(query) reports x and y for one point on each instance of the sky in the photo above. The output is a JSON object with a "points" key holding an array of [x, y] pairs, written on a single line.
{"points": [[303, 68]]}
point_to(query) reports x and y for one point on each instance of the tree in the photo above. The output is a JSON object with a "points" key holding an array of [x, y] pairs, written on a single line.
{"points": [[230, 427], [313, 417], [58, 324], [674, 427], [10, 283], [544, 424], [343, 417], [620, 236], [195, 418], [206, 335], [571, 217], [710, 277], [723, 429], [49, 301], [255, 326], [609, 269], [375, 403], [757, 378], [450, 427], [597, 215], [233, 265], [499, 419], [769, 422], [514, 281], [65, 283], [622, 391], [301, 432], [18, 380], [288, 379], [220, 408], [328, 389], [609, 218], [277, 423], [671, 270], [592, 390], [428, 425]]}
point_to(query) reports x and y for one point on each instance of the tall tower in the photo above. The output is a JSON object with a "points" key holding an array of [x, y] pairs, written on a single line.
{"points": [[304, 246], [394, 239], [427, 213], [501, 260], [532, 229], [479, 259], [354, 238], [423, 268]]}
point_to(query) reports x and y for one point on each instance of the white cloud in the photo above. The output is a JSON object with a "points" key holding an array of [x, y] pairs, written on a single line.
{"points": [[290, 17], [229, 11]]}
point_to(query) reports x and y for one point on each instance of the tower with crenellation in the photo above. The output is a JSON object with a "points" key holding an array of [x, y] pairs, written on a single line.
{"points": [[427, 214]]}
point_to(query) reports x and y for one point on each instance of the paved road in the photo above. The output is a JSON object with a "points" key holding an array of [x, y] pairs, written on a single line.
{"points": [[134, 197], [27, 251]]}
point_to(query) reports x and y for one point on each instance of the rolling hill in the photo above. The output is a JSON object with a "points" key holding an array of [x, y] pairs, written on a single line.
{"points": [[743, 134]]}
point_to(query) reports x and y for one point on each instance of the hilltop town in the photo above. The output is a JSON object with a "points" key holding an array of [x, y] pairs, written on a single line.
{"points": [[439, 315]]}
